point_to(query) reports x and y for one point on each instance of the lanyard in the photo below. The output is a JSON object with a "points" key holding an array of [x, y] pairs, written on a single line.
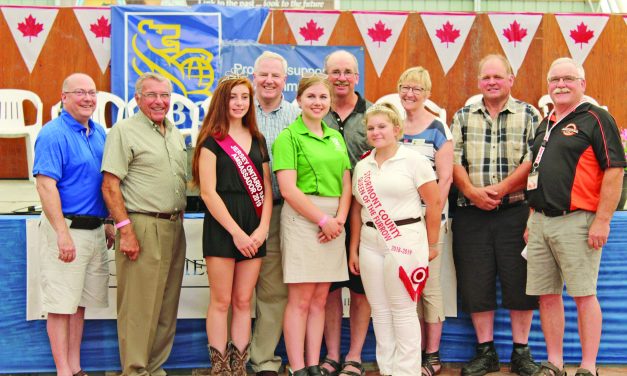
{"points": [[549, 129]]}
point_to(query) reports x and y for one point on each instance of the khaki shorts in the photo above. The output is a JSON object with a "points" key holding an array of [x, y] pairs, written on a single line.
{"points": [[83, 282], [430, 307], [558, 252]]}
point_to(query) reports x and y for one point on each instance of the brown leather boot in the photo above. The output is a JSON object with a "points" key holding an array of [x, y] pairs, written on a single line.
{"points": [[220, 365], [238, 360]]}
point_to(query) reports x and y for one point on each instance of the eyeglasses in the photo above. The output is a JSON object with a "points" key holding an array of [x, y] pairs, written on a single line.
{"points": [[567, 79], [406, 89], [338, 73], [153, 96], [308, 74], [81, 93]]}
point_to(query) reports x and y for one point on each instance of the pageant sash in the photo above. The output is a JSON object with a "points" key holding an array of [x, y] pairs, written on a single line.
{"points": [[246, 170], [412, 274]]}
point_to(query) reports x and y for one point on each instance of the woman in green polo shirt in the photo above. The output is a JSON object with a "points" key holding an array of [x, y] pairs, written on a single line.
{"points": [[312, 168]]}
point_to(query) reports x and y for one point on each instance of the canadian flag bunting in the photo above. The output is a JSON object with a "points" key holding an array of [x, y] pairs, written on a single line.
{"points": [[581, 32], [311, 28], [96, 25], [30, 27], [515, 32], [380, 32], [448, 33]]}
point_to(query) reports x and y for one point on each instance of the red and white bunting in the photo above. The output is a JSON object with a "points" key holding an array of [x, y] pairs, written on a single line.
{"points": [[515, 32], [311, 28], [448, 33], [581, 32], [380, 31], [96, 25], [30, 27]]}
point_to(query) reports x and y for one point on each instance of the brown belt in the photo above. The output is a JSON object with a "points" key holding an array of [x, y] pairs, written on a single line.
{"points": [[400, 222], [169, 216]]}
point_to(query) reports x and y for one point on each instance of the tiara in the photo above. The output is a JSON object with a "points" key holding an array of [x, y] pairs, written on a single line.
{"points": [[380, 107], [309, 74], [233, 74]]}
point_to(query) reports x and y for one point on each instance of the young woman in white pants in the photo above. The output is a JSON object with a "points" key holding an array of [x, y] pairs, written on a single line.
{"points": [[392, 238]]}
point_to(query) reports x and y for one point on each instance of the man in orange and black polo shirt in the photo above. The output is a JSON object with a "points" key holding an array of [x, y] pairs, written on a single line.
{"points": [[574, 186]]}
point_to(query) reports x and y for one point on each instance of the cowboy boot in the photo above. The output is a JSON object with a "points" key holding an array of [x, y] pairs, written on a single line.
{"points": [[238, 360], [219, 362]]}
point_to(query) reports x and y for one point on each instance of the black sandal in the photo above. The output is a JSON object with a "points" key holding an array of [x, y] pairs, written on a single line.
{"points": [[549, 369], [359, 366], [335, 366], [80, 373], [429, 362]]}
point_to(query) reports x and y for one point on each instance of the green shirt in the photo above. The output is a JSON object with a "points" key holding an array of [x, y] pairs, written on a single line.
{"points": [[150, 166], [319, 162]]}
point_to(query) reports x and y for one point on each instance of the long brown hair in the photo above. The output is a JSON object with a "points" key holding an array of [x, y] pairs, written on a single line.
{"points": [[216, 123]]}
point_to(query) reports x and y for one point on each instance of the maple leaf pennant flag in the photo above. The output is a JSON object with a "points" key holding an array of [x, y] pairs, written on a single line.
{"points": [[311, 28], [96, 26], [515, 32], [581, 32], [30, 27], [380, 32], [448, 33]]}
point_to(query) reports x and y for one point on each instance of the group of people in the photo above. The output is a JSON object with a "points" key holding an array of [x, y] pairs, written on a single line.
{"points": [[335, 192]]}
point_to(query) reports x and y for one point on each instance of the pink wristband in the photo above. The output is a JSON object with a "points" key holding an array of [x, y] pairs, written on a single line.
{"points": [[123, 223], [323, 221]]}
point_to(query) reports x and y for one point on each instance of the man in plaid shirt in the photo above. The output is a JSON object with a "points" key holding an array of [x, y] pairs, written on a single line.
{"points": [[492, 140]]}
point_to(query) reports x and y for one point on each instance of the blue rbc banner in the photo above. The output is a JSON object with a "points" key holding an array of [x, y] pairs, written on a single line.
{"points": [[181, 43], [240, 57]]}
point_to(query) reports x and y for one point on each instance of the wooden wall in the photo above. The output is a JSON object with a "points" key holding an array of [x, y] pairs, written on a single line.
{"points": [[66, 51]]}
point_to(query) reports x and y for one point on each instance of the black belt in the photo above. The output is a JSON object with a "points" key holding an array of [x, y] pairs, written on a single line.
{"points": [[400, 222], [86, 222], [277, 201], [554, 212], [169, 216]]}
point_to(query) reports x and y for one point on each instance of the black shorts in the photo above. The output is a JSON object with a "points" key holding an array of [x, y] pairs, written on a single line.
{"points": [[354, 281], [487, 244]]}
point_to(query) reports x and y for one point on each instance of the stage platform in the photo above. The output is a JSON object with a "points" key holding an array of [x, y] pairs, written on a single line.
{"points": [[24, 346]]}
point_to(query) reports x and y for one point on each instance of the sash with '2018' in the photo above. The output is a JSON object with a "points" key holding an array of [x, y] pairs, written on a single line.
{"points": [[404, 253], [246, 170]]}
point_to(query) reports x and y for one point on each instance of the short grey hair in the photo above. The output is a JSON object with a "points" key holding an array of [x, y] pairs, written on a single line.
{"points": [[267, 55], [150, 76], [567, 60], [340, 52]]}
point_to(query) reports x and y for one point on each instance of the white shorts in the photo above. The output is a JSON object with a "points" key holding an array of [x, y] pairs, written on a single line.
{"points": [[83, 282]]}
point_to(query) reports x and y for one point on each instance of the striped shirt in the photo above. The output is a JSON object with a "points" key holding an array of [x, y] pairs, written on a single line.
{"points": [[491, 149], [270, 125]]}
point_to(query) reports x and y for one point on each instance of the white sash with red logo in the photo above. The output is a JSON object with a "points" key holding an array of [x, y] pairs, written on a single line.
{"points": [[410, 271], [246, 170]]}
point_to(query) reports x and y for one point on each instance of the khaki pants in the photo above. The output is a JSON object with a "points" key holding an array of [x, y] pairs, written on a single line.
{"points": [[148, 294], [271, 300]]}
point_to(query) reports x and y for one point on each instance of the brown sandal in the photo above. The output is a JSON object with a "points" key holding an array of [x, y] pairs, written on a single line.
{"points": [[81, 373], [429, 362]]}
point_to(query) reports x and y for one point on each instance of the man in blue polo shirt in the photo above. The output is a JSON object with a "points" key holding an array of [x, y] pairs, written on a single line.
{"points": [[73, 249]]}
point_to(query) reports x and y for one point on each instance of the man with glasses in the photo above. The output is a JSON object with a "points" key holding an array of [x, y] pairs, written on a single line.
{"points": [[144, 188], [492, 158], [73, 249], [274, 114], [574, 186], [346, 115]]}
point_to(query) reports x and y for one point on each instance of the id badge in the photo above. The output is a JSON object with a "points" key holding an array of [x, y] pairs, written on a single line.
{"points": [[532, 181]]}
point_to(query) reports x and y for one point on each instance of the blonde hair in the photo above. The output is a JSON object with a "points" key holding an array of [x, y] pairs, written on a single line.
{"points": [[389, 111], [417, 74], [308, 81], [503, 59]]}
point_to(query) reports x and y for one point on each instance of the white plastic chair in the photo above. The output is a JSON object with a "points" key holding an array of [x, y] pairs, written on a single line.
{"points": [[180, 102], [395, 100], [99, 115], [474, 99], [12, 123], [545, 103]]}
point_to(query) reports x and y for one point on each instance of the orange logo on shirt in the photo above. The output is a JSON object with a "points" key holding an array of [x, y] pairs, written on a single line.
{"points": [[570, 130]]}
